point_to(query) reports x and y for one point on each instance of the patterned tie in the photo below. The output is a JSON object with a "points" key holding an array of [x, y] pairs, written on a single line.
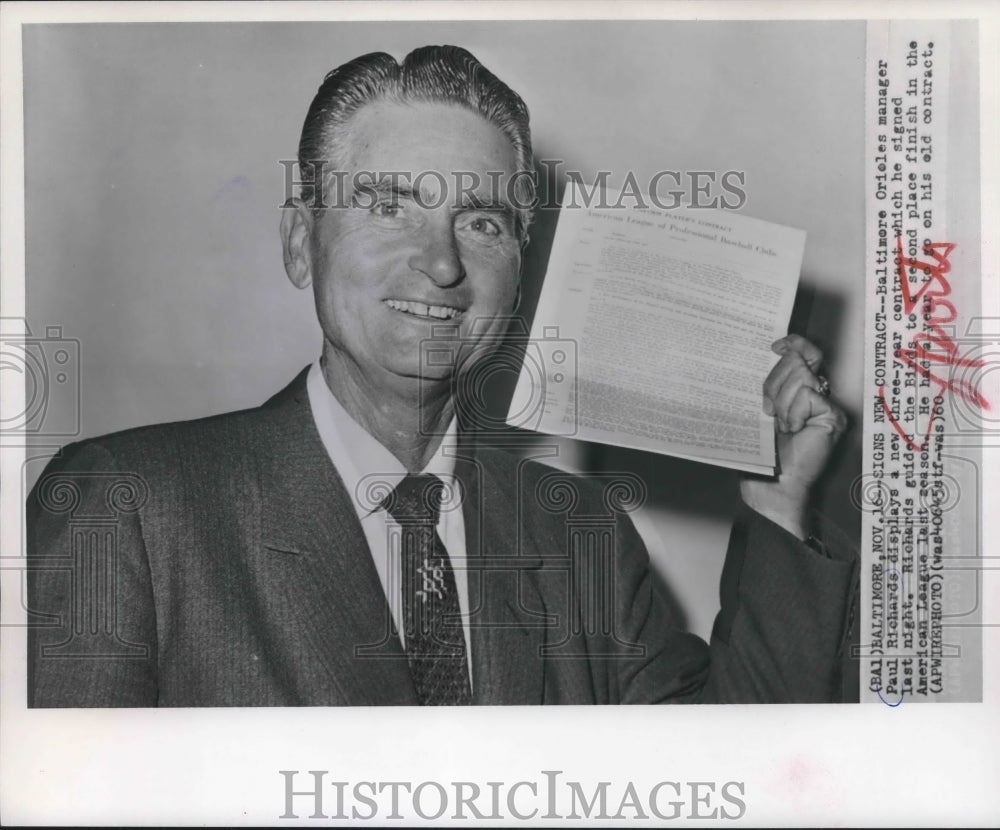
{"points": [[435, 643]]}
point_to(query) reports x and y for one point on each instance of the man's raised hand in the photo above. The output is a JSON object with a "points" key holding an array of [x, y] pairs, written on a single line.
{"points": [[808, 424]]}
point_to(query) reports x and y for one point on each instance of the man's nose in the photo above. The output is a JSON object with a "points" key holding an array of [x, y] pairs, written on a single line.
{"points": [[437, 256]]}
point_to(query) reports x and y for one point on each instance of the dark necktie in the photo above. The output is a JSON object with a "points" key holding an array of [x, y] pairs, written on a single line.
{"points": [[435, 643]]}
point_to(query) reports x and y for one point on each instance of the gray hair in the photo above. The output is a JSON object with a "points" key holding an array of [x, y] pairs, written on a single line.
{"points": [[433, 74]]}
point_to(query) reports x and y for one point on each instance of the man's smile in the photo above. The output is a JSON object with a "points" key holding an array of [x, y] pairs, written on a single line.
{"points": [[418, 309]]}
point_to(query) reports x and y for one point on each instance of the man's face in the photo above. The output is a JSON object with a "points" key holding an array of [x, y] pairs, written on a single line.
{"points": [[395, 266]]}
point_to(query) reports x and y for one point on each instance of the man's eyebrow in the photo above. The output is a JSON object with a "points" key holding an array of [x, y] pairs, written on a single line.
{"points": [[385, 187], [473, 201]]}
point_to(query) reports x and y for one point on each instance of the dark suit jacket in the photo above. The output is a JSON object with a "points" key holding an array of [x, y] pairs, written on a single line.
{"points": [[220, 562]]}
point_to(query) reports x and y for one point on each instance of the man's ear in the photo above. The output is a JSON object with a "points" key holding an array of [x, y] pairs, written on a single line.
{"points": [[296, 231]]}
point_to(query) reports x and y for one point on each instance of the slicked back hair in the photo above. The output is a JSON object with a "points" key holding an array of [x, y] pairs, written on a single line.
{"points": [[431, 74]]}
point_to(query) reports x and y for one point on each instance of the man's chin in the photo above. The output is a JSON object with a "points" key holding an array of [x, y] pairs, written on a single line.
{"points": [[433, 377]]}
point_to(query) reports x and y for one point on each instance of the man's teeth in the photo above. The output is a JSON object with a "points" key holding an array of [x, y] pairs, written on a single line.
{"points": [[441, 312]]}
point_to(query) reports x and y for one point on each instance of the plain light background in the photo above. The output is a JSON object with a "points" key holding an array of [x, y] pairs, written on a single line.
{"points": [[153, 187]]}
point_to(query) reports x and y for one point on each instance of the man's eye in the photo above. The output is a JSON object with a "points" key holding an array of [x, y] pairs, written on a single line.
{"points": [[387, 210], [484, 226]]}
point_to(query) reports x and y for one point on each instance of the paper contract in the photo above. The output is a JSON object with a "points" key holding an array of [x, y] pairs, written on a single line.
{"points": [[672, 313]]}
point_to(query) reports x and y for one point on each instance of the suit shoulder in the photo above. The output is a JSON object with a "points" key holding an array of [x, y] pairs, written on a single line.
{"points": [[155, 449], [206, 437]]}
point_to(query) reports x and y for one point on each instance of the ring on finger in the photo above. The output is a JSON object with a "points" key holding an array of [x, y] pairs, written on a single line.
{"points": [[824, 386]]}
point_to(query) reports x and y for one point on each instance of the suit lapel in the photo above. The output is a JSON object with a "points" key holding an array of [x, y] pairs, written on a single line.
{"points": [[314, 545], [507, 613]]}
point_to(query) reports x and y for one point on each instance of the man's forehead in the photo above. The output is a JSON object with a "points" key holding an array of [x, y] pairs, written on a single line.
{"points": [[441, 154], [425, 136]]}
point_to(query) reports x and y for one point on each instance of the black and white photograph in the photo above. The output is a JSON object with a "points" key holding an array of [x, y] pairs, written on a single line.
{"points": [[367, 366]]}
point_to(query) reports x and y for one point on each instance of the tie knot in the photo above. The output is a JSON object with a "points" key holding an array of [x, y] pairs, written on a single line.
{"points": [[416, 499]]}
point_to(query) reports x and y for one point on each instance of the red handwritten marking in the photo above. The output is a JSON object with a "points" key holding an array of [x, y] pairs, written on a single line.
{"points": [[931, 297]]}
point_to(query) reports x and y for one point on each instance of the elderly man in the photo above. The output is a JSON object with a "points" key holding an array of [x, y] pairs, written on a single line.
{"points": [[349, 542]]}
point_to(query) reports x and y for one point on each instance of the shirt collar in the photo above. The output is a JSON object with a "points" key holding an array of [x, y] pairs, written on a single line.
{"points": [[362, 462]]}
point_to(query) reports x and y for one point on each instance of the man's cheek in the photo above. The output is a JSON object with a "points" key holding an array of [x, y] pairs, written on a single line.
{"points": [[500, 286]]}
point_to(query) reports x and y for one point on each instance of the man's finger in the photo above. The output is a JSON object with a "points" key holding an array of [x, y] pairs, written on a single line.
{"points": [[779, 375], [799, 378], [797, 344], [809, 407]]}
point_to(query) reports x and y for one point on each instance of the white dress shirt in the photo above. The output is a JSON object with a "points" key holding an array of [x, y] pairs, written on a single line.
{"points": [[369, 472]]}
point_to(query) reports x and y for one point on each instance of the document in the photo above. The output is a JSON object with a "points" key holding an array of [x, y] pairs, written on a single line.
{"points": [[665, 318]]}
